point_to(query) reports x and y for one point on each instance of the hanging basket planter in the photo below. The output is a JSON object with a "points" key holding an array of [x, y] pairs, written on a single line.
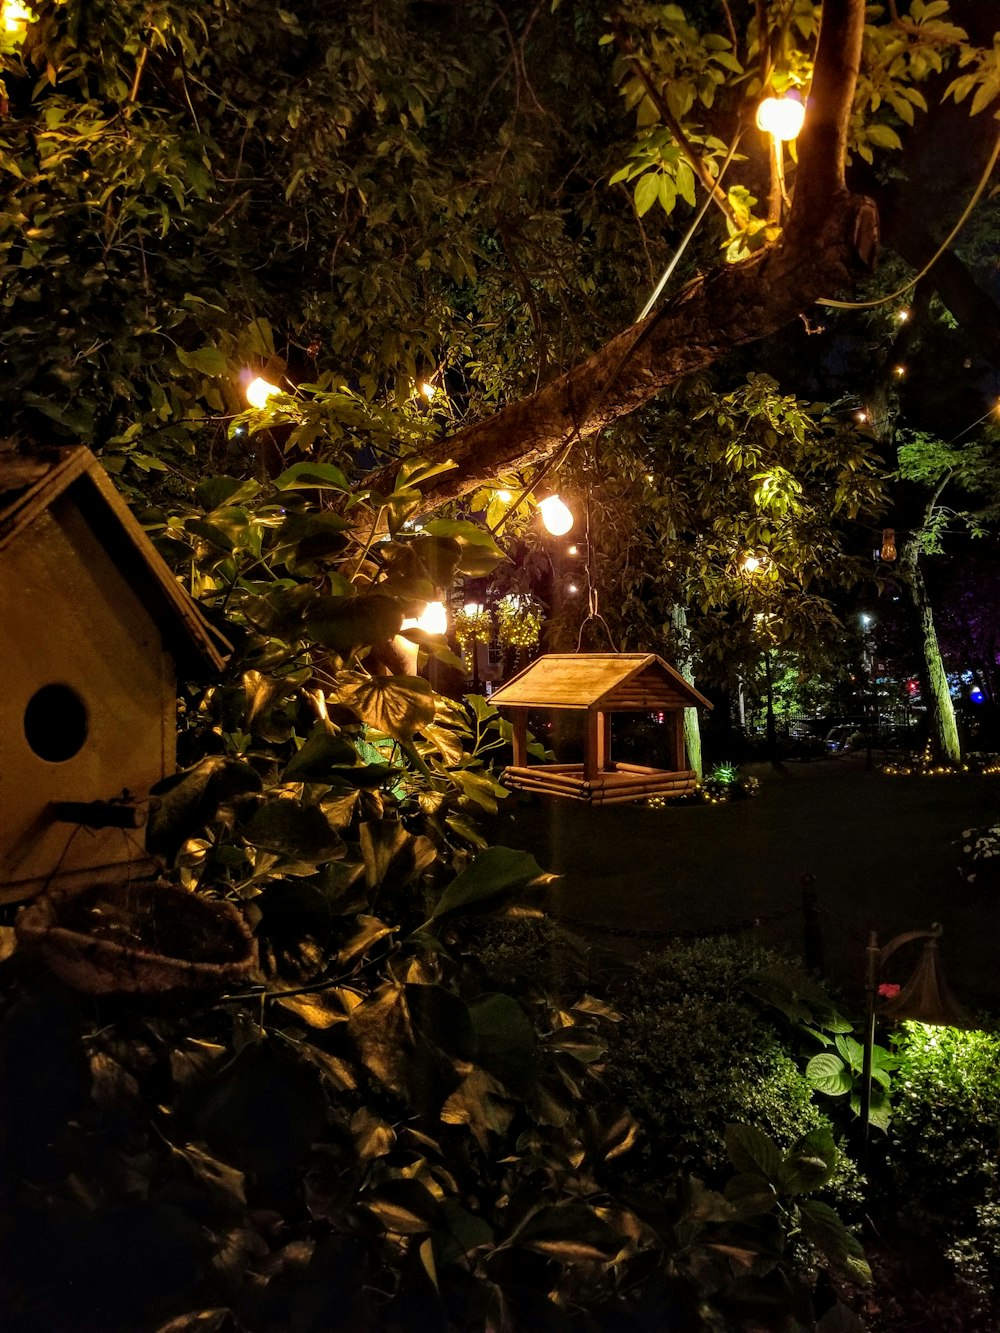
{"points": [[148, 939]]}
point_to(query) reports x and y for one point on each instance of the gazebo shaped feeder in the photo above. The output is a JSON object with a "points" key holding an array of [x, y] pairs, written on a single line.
{"points": [[599, 684]]}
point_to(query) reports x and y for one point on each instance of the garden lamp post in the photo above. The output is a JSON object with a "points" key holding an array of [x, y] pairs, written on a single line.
{"points": [[925, 998]]}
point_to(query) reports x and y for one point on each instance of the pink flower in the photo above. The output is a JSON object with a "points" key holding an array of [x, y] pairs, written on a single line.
{"points": [[889, 990]]}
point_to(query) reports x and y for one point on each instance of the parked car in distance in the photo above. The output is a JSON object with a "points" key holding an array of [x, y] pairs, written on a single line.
{"points": [[845, 737]]}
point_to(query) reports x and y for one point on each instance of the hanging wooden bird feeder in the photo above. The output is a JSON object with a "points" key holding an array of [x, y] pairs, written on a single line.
{"points": [[599, 684]]}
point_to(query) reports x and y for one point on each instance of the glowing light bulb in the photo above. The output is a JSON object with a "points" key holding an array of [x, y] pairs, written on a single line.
{"points": [[428, 390], [781, 117], [258, 391], [434, 619], [572, 550], [473, 608], [555, 515], [504, 497], [16, 16], [751, 563], [903, 315], [572, 589], [862, 416], [899, 371]]}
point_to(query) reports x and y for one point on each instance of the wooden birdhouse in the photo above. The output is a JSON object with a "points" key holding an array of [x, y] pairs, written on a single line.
{"points": [[599, 684], [94, 630]]}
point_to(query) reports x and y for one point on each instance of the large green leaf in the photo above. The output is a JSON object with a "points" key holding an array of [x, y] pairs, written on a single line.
{"points": [[393, 856], [754, 1152], [321, 753], [312, 476], [294, 829], [827, 1232], [346, 624], [479, 552], [213, 492], [396, 705], [811, 1163], [405, 1207], [507, 1045], [493, 877], [185, 802], [826, 1073], [441, 1019], [571, 1233]]}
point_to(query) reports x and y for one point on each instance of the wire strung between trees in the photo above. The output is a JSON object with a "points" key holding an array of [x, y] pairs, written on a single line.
{"points": [[901, 291]]}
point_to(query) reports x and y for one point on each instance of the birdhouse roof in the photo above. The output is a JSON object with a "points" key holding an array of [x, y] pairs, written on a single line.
{"points": [[620, 682], [30, 484]]}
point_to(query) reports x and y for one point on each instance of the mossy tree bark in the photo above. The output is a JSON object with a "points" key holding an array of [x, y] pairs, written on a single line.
{"points": [[942, 709]]}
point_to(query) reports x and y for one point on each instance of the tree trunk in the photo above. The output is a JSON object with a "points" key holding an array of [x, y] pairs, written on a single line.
{"points": [[942, 710], [685, 665]]}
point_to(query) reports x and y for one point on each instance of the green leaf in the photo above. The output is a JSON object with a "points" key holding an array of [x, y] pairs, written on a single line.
{"points": [[209, 361], [507, 1046], [827, 1073], [347, 624], [185, 802], [441, 1019], [754, 1152], [750, 1194], [493, 876], [395, 705], [569, 1232], [214, 492], [459, 1232], [647, 191], [405, 1207], [294, 829], [313, 476], [827, 1232], [321, 753]]}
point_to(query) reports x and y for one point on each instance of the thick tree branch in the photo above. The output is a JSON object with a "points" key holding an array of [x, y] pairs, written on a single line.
{"points": [[831, 237]]}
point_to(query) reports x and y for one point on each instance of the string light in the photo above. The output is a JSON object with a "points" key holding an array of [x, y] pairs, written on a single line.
{"points": [[16, 16], [899, 371], [903, 315], [862, 416], [473, 624], [519, 621], [259, 390], [556, 516], [504, 497], [781, 117], [432, 620], [751, 563], [428, 390]]}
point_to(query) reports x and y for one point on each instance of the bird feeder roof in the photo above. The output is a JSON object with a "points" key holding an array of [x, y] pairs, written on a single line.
{"points": [[606, 682], [31, 484]]}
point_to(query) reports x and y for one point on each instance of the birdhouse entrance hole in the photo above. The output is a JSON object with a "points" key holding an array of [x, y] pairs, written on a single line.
{"points": [[55, 723]]}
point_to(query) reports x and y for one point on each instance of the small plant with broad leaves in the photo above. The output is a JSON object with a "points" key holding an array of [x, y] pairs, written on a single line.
{"points": [[739, 1245], [836, 1070]]}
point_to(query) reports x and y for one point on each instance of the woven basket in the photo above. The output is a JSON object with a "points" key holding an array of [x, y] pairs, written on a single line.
{"points": [[141, 939]]}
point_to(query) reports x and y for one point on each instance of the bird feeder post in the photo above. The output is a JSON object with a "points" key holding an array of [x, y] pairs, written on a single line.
{"points": [[519, 723], [598, 744]]}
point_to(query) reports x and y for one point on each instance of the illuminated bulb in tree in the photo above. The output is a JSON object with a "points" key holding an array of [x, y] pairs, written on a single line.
{"points": [[555, 515], [434, 619], [862, 416], [899, 371], [781, 117], [428, 390], [751, 563], [903, 315], [16, 16], [258, 391], [504, 497]]}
